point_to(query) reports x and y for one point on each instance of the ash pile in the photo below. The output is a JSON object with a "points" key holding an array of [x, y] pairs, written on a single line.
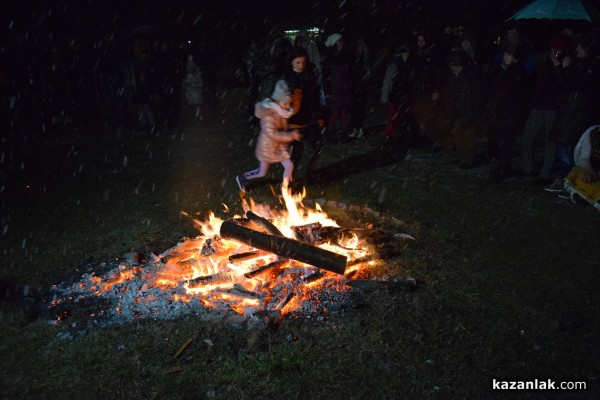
{"points": [[249, 273]]}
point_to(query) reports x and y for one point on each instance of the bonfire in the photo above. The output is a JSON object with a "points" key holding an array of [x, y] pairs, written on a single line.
{"points": [[264, 264]]}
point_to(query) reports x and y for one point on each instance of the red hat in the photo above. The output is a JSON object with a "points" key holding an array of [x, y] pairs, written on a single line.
{"points": [[561, 42]]}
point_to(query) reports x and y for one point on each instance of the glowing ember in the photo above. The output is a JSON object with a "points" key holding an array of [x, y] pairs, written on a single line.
{"points": [[212, 272]]}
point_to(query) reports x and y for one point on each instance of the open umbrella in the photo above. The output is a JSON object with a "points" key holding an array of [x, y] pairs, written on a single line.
{"points": [[557, 10]]}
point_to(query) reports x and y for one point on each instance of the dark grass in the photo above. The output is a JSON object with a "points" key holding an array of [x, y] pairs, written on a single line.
{"points": [[510, 276]]}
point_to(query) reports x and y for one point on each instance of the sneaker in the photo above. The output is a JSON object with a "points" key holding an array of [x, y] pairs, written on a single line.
{"points": [[542, 182], [360, 134], [353, 134], [570, 190], [241, 181], [557, 186]]}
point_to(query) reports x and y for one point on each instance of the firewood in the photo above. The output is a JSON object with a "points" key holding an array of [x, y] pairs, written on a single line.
{"points": [[285, 247], [265, 223], [239, 288], [236, 259], [275, 264], [283, 302]]}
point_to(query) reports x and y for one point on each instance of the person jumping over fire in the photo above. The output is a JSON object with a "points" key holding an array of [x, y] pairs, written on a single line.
{"points": [[274, 137]]}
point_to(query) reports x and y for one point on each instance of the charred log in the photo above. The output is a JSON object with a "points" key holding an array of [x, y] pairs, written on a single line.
{"points": [[249, 255], [267, 267], [285, 247], [265, 223], [316, 234]]}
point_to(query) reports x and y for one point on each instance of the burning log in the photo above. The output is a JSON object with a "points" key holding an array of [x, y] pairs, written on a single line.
{"points": [[208, 278], [313, 277], [265, 223], [236, 259], [239, 288], [316, 233], [283, 302], [275, 264], [285, 247]]}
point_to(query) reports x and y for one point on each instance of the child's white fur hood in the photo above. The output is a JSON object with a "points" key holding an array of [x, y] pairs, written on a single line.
{"points": [[268, 105]]}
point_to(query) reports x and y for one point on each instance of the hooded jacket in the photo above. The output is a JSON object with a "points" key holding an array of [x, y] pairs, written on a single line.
{"points": [[273, 139]]}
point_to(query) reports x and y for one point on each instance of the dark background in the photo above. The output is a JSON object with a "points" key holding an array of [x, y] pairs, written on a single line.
{"points": [[84, 36], [231, 23]]}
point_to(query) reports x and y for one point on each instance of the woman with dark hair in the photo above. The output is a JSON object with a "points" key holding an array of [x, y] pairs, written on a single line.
{"points": [[307, 116]]}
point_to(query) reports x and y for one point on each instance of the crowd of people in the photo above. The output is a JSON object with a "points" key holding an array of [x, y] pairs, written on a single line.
{"points": [[133, 81], [445, 97]]}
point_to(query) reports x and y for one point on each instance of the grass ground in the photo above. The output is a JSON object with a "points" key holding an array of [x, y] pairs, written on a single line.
{"points": [[510, 276]]}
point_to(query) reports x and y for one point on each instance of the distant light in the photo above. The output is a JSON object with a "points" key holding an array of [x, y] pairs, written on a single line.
{"points": [[189, 42]]}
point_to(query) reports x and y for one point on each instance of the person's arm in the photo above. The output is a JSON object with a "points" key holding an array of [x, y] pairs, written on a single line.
{"points": [[387, 83]]}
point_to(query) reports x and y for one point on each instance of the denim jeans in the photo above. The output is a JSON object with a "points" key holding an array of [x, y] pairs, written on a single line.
{"points": [[566, 159]]}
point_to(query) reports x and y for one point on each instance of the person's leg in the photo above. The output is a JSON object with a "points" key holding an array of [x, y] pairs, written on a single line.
{"points": [[288, 170], [345, 122], [260, 172], [566, 159], [549, 146], [533, 125], [297, 149], [332, 124], [458, 135], [504, 137], [392, 115]]}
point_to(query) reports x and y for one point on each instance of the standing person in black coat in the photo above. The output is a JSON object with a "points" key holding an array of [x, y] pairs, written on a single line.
{"points": [[360, 80], [307, 117], [462, 99], [337, 85], [542, 114], [508, 98], [425, 73]]}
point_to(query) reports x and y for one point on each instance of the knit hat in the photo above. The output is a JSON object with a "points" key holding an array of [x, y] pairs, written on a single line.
{"points": [[333, 39], [281, 92]]}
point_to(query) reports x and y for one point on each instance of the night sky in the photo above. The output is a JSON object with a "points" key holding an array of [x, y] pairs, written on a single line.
{"points": [[233, 21]]}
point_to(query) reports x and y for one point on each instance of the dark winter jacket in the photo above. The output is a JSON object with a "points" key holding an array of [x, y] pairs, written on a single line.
{"points": [[545, 91], [305, 95], [424, 66], [580, 84], [508, 93], [463, 95], [337, 77]]}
